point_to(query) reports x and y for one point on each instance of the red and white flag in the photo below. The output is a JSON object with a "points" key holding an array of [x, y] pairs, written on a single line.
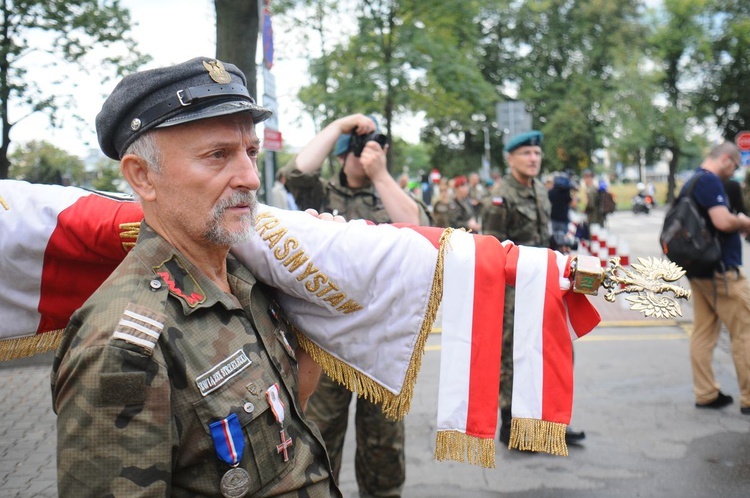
{"points": [[353, 288]]}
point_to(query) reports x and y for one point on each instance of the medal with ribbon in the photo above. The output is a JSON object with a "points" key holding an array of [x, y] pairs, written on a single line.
{"points": [[277, 407], [230, 445]]}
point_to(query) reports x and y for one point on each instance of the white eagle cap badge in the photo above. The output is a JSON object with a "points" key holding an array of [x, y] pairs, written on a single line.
{"points": [[217, 72]]}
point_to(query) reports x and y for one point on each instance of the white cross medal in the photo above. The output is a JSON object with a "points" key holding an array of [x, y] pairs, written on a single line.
{"points": [[277, 407]]}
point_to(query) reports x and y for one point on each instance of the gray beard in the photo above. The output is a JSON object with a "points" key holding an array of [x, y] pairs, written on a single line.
{"points": [[220, 236]]}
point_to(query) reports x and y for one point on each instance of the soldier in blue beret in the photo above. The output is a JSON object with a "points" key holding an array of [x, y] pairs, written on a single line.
{"points": [[530, 138], [178, 377]]}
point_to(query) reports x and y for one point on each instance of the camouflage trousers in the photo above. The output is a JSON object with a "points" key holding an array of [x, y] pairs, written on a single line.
{"points": [[379, 460], [506, 360]]}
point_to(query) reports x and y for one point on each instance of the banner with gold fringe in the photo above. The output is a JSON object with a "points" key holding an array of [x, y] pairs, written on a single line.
{"points": [[349, 286]]}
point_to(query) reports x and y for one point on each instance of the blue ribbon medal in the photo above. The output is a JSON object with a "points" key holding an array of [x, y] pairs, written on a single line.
{"points": [[229, 443]]}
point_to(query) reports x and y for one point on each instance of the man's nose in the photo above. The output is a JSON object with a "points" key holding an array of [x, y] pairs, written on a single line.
{"points": [[246, 173]]}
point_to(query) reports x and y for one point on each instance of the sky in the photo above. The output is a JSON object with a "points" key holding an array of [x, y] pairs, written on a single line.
{"points": [[170, 31]]}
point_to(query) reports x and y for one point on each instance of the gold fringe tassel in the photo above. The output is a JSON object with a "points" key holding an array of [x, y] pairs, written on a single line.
{"points": [[530, 434], [22, 347], [460, 447], [394, 406]]}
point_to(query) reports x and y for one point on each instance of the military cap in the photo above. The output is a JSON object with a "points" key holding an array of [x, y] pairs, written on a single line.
{"points": [[200, 88], [532, 137], [460, 181], [342, 144]]}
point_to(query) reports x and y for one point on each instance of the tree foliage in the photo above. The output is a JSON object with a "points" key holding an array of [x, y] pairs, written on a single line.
{"points": [[562, 59], [52, 36], [406, 56], [726, 68], [42, 162]]}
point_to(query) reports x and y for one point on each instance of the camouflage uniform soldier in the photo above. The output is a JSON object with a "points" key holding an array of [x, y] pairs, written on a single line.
{"points": [[517, 209], [363, 190], [179, 376], [460, 209], [593, 210]]}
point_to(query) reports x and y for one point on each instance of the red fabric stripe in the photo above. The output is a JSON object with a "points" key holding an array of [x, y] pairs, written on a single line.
{"points": [[82, 252], [229, 441], [511, 265], [557, 362], [486, 339], [585, 317], [432, 234]]}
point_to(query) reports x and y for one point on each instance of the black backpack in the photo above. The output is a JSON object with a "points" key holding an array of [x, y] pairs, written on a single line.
{"points": [[686, 237], [607, 202]]}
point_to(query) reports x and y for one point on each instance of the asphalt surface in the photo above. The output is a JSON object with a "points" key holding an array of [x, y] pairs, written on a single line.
{"points": [[633, 399]]}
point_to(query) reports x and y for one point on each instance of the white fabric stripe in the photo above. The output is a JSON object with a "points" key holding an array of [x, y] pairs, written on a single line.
{"points": [[145, 319], [139, 328], [565, 284], [531, 276], [134, 340], [562, 262], [28, 217], [458, 306]]}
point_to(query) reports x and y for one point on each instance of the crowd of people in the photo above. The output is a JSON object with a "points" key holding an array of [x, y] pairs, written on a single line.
{"points": [[170, 415]]}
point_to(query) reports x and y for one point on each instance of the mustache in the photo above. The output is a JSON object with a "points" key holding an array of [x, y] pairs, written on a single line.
{"points": [[236, 199]]}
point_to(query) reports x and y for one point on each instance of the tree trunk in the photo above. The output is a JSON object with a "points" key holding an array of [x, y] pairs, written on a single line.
{"points": [[388, 60], [237, 27]]}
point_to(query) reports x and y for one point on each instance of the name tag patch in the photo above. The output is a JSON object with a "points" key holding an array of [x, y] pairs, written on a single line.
{"points": [[219, 374]]}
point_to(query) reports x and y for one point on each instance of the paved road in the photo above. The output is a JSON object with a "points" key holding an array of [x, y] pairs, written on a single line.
{"points": [[633, 398]]}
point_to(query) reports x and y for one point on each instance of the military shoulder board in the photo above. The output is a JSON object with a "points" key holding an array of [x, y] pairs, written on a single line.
{"points": [[140, 326]]}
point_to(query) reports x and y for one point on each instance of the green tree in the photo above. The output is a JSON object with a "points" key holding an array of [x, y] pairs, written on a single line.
{"points": [[105, 175], [727, 68], [561, 58], [55, 35], [42, 162], [405, 57], [678, 46]]}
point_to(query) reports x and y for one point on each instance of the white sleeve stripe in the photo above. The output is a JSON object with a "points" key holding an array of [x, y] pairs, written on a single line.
{"points": [[134, 340], [140, 328], [144, 319]]}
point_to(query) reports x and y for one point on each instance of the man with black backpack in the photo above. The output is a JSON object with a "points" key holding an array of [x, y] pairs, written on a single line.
{"points": [[721, 293]]}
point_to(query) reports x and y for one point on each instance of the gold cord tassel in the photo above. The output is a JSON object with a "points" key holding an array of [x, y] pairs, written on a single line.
{"points": [[530, 434], [460, 447], [22, 347]]}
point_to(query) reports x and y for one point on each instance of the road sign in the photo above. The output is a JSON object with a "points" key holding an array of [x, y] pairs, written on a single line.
{"points": [[512, 118], [272, 140], [743, 140], [270, 103]]}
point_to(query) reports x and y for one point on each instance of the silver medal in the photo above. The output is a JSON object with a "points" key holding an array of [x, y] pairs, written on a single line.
{"points": [[235, 483]]}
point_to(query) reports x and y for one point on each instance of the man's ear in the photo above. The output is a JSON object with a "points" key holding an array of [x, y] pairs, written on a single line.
{"points": [[139, 175]]}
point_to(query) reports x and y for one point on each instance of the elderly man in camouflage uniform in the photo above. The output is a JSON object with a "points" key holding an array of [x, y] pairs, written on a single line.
{"points": [[180, 376], [363, 189], [518, 209]]}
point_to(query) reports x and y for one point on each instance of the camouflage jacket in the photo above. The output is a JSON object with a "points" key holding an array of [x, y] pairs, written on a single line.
{"points": [[593, 208], [329, 196], [460, 212], [157, 354], [518, 213]]}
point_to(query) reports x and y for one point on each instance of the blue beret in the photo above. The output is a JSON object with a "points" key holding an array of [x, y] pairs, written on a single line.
{"points": [[200, 88], [342, 144], [532, 137]]}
